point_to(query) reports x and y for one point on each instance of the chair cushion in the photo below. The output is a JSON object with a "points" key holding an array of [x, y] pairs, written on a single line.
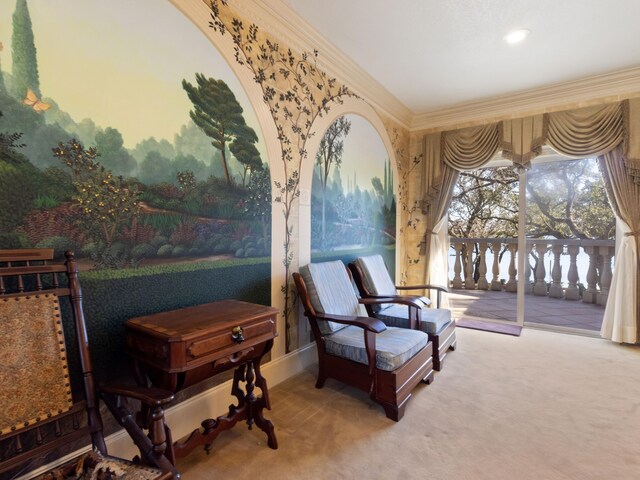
{"points": [[376, 277], [34, 360], [94, 465], [331, 291], [394, 346], [433, 319]]}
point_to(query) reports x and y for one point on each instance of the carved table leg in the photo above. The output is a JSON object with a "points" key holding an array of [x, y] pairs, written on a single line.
{"points": [[262, 403]]}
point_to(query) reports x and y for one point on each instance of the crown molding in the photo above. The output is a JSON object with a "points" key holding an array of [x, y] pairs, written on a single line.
{"points": [[275, 17], [288, 27], [608, 87]]}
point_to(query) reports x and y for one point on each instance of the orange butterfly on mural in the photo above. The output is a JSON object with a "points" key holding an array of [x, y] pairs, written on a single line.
{"points": [[32, 100]]}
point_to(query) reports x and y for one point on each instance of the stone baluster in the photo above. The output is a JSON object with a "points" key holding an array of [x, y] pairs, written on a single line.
{"points": [[606, 275], [495, 282], [512, 284], [555, 290], [591, 293], [469, 282], [528, 284], [572, 292], [457, 266], [540, 286], [483, 284]]}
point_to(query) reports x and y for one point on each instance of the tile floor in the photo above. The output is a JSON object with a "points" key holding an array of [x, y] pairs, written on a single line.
{"points": [[541, 310]]}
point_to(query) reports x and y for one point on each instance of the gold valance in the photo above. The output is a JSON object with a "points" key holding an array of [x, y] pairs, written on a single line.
{"points": [[470, 148], [632, 157], [523, 139], [579, 133], [588, 132]]}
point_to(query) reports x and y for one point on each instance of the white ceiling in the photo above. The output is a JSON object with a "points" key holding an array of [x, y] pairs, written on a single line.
{"points": [[434, 54]]}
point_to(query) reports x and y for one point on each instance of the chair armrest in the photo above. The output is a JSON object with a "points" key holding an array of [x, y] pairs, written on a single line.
{"points": [[149, 395], [412, 300], [439, 288], [370, 324]]}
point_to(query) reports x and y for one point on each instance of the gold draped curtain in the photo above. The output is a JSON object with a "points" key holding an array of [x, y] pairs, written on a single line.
{"points": [[580, 133]]}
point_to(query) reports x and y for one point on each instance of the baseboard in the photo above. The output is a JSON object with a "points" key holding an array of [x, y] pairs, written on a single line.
{"points": [[209, 404]]}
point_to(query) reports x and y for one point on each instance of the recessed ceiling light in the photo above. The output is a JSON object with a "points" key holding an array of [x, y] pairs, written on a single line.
{"points": [[516, 36]]}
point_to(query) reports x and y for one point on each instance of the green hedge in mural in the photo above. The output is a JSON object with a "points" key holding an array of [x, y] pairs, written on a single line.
{"points": [[110, 297]]}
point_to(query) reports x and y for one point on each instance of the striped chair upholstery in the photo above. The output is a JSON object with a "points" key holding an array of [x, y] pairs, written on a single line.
{"points": [[331, 291], [376, 279], [394, 346]]}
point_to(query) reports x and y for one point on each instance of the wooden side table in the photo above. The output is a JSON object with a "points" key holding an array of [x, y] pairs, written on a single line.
{"points": [[179, 348]]}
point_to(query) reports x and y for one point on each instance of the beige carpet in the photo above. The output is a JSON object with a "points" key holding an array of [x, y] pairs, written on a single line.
{"points": [[541, 406]]}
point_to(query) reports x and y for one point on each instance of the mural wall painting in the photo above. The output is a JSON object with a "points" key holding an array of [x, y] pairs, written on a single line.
{"points": [[129, 140], [297, 92], [353, 209]]}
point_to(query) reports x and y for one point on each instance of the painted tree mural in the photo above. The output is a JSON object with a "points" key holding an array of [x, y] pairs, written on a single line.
{"points": [[304, 92], [330, 153], [25, 65], [121, 204], [219, 115]]}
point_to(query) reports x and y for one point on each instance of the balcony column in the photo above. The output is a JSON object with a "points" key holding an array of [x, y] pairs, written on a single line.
{"points": [[495, 282], [555, 290], [469, 282], [572, 292], [457, 266], [483, 284], [591, 293], [528, 284], [512, 284], [540, 286], [606, 275]]}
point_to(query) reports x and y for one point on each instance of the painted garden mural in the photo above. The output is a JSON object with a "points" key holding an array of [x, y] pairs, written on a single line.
{"points": [[129, 140], [353, 208], [111, 186]]}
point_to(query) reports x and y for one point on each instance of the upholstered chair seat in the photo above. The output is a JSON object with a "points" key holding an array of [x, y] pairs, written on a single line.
{"points": [[373, 281], [386, 362]]}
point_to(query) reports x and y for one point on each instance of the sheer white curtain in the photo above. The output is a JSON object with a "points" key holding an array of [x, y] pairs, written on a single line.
{"points": [[439, 256], [621, 316], [619, 322]]}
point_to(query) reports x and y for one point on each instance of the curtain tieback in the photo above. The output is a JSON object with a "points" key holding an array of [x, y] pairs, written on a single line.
{"points": [[632, 234]]}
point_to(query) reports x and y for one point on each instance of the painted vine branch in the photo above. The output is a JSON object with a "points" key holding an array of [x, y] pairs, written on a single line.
{"points": [[297, 92]]}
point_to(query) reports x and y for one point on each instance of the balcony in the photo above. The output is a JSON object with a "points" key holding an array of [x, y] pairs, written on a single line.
{"points": [[567, 287]]}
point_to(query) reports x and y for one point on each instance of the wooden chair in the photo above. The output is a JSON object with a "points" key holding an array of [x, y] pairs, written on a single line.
{"points": [[47, 407], [372, 278], [357, 350]]}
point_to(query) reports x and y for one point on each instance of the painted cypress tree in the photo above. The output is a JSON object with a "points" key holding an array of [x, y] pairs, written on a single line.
{"points": [[3, 88], [25, 64]]}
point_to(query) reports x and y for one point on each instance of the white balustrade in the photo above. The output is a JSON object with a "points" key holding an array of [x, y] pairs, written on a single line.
{"points": [[496, 284], [572, 292], [457, 266], [540, 285], [483, 284], [512, 283], [606, 275], [555, 290], [598, 276], [591, 293], [469, 282]]}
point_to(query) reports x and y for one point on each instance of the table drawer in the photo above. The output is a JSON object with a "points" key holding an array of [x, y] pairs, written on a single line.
{"points": [[250, 334]]}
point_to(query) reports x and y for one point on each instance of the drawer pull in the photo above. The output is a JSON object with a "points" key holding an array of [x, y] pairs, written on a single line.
{"points": [[237, 335]]}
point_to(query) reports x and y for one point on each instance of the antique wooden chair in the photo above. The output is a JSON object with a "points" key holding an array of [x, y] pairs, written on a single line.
{"points": [[48, 405], [360, 351], [373, 281]]}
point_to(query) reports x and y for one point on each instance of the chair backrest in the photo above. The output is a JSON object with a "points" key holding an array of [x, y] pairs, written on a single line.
{"points": [[330, 290], [41, 410], [375, 276]]}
